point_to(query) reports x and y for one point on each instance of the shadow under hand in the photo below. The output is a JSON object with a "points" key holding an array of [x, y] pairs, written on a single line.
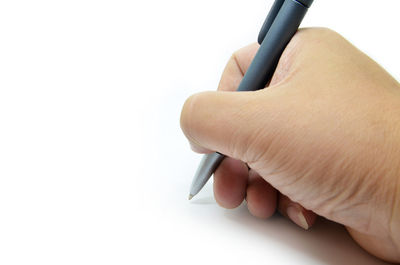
{"points": [[326, 241]]}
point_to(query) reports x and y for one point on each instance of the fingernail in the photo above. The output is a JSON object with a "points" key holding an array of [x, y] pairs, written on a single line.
{"points": [[296, 215]]}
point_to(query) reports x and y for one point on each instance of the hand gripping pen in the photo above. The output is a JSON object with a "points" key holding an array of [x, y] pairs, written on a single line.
{"points": [[279, 27]]}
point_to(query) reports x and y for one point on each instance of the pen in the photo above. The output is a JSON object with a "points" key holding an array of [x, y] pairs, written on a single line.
{"points": [[278, 29]]}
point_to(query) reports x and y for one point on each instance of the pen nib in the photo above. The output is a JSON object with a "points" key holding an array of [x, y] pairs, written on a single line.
{"points": [[190, 197]]}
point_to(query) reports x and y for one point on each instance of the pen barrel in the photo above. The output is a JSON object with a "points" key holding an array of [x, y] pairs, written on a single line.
{"points": [[281, 31]]}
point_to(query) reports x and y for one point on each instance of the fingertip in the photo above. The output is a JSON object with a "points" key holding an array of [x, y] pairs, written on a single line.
{"points": [[216, 120], [187, 119], [296, 213], [310, 217], [300, 216], [196, 113], [261, 197], [186, 116], [230, 181], [237, 67]]}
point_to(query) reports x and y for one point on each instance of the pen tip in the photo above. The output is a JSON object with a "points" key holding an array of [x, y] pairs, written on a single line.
{"points": [[190, 197]]}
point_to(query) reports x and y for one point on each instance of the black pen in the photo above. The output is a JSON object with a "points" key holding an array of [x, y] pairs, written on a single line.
{"points": [[279, 27]]}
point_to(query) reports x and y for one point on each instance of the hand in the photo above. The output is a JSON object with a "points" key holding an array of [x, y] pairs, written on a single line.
{"points": [[323, 139]]}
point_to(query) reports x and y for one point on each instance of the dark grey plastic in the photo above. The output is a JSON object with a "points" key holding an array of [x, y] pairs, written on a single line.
{"points": [[285, 25], [276, 7], [307, 3], [270, 19]]}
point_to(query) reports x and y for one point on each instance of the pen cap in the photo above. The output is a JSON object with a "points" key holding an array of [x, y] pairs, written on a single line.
{"points": [[306, 3]]}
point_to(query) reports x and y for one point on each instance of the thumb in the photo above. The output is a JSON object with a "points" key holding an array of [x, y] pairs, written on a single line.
{"points": [[228, 122]]}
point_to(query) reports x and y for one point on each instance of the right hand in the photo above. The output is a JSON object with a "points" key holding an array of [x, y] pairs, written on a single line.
{"points": [[322, 139]]}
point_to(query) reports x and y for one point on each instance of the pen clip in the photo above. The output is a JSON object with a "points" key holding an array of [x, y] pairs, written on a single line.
{"points": [[276, 7]]}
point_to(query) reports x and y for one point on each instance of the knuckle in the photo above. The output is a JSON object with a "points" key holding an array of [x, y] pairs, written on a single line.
{"points": [[316, 33], [307, 43], [307, 39]]}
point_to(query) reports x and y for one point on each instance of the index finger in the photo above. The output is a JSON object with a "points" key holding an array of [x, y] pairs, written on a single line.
{"points": [[237, 67]]}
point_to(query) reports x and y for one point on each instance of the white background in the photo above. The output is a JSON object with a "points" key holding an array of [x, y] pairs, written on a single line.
{"points": [[93, 166]]}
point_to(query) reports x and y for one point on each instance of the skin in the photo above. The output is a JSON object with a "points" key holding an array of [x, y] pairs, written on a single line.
{"points": [[322, 140]]}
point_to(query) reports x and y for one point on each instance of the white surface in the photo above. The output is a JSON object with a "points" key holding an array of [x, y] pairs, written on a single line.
{"points": [[93, 166]]}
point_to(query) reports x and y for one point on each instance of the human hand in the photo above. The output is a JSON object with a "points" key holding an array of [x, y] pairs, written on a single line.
{"points": [[323, 139]]}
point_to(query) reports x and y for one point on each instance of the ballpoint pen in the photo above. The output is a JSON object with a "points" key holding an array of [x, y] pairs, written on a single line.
{"points": [[278, 29]]}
